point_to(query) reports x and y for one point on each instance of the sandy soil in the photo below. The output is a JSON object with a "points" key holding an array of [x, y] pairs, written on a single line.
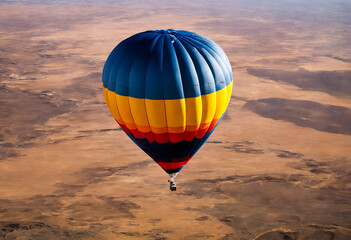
{"points": [[277, 167]]}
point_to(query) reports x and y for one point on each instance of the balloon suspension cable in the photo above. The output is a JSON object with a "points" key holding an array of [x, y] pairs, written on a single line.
{"points": [[172, 184]]}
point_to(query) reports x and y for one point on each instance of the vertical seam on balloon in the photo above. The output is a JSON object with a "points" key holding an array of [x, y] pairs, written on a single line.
{"points": [[130, 109], [164, 101], [115, 95], [202, 108], [198, 83], [154, 41], [181, 81]]}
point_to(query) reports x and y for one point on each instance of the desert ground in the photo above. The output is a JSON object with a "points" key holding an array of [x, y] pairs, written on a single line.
{"points": [[277, 167]]}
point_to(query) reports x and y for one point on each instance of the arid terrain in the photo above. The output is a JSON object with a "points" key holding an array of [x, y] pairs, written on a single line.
{"points": [[278, 167]]}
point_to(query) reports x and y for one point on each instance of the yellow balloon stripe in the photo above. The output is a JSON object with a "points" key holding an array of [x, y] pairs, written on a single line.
{"points": [[208, 109], [229, 93], [124, 111], [110, 98], [221, 103], [175, 113], [156, 114], [138, 110], [193, 111], [173, 116]]}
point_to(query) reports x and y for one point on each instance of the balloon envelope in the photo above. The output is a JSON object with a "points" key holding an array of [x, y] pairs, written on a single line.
{"points": [[167, 90]]}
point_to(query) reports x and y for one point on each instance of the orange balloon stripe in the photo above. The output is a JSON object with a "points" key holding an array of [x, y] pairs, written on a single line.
{"points": [[168, 129], [192, 128], [123, 127], [130, 126], [158, 137], [158, 129], [213, 124], [169, 136], [201, 132], [144, 128], [176, 129]]}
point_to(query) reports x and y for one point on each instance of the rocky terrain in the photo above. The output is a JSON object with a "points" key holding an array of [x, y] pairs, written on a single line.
{"points": [[277, 167]]}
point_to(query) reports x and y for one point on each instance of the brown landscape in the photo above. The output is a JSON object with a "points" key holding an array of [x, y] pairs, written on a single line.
{"points": [[278, 167]]}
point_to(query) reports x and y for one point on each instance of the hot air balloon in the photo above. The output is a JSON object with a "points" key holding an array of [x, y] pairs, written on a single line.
{"points": [[168, 90]]}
